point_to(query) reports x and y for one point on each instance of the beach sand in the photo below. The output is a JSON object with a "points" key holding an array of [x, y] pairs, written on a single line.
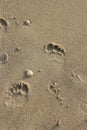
{"points": [[43, 65]]}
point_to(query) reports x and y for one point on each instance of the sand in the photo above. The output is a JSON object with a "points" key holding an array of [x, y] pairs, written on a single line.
{"points": [[48, 38]]}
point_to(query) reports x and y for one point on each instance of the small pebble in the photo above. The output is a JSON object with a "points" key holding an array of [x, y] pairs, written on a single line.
{"points": [[27, 22], [6, 104], [59, 122], [29, 73]]}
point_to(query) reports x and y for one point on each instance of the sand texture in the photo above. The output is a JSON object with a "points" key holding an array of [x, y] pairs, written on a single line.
{"points": [[43, 64]]}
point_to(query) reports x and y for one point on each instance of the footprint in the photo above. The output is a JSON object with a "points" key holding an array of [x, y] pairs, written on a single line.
{"points": [[3, 58], [20, 88], [17, 95], [55, 48], [3, 23], [52, 88]]}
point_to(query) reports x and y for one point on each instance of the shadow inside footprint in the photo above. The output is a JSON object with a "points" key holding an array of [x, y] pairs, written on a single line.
{"points": [[20, 88], [52, 88], [25, 87], [50, 47], [55, 48], [3, 22]]}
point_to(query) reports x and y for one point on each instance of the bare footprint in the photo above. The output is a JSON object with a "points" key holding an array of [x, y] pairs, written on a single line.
{"points": [[20, 88], [17, 95], [52, 88], [55, 48]]}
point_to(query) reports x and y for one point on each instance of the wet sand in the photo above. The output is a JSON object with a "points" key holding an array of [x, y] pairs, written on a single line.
{"points": [[43, 65]]}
